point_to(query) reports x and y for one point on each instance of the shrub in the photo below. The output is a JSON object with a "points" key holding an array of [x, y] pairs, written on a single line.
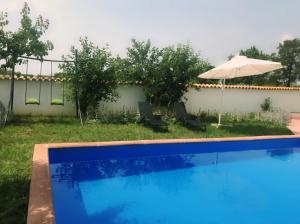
{"points": [[278, 117], [266, 105], [124, 116]]}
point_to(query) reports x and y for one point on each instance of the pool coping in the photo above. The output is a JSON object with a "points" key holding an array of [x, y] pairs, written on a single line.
{"points": [[40, 208]]}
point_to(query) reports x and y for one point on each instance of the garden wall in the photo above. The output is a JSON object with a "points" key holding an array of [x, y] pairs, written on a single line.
{"points": [[204, 98], [241, 99]]}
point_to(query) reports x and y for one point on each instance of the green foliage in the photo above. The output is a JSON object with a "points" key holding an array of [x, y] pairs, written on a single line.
{"points": [[142, 63], [121, 70], [178, 67], [164, 73], [24, 41], [266, 105], [272, 116], [3, 35], [95, 79], [254, 52], [289, 53]]}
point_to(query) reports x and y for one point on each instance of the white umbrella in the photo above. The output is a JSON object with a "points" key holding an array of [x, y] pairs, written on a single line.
{"points": [[239, 66]]}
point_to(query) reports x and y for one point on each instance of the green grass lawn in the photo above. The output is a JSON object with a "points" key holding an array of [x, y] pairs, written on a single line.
{"points": [[18, 138]]}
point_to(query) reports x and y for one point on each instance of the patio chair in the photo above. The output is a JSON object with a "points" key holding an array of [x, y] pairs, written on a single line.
{"points": [[187, 119], [147, 117]]}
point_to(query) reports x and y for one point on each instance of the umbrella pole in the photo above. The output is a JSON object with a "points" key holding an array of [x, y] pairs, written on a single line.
{"points": [[222, 96]]}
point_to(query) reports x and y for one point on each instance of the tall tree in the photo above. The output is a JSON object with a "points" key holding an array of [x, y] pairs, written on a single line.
{"points": [[142, 65], [289, 53], [26, 41], [164, 73], [92, 77], [178, 67], [142, 61]]}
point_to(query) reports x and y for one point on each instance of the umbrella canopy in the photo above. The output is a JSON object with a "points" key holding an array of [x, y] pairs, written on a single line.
{"points": [[240, 66]]}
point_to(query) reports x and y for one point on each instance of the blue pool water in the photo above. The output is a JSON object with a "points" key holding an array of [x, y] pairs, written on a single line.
{"points": [[249, 182]]}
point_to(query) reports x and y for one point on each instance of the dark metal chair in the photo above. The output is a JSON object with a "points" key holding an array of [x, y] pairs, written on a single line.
{"points": [[147, 117], [187, 119]]}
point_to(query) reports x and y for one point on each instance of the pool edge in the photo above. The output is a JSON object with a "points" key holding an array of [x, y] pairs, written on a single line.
{"points": [[40, 208]]}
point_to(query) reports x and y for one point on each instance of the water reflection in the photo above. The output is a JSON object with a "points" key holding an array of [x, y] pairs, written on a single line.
{"points": [[100, 169], [282, 154], [73, 172]]}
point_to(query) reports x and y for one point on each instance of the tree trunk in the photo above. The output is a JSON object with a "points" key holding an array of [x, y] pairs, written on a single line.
{"points": [[12, 90], [289, 75], [77, 95]]}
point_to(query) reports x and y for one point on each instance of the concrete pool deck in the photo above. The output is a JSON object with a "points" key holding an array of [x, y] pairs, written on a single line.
{"points": [[294, 124], [40, 208]]}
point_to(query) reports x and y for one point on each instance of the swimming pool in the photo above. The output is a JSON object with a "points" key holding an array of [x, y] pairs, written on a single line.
{"points": [[248, 181]]}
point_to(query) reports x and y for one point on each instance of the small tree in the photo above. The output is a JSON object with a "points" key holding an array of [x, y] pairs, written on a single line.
{"points": [[289, 53], [92, 77], [24, 42], [266, 105]]}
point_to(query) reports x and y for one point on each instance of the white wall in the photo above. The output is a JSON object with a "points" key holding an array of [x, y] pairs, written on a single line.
{"points": [[241, 100], [129, 96], [204, 99]]}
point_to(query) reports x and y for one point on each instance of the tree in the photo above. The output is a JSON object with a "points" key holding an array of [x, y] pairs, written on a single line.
{"points": [[164, 73], [254, 52], [142, 65], [178, 67], [23, 42], [92, 76], [289, 53], [142, 62], [3, 38]]}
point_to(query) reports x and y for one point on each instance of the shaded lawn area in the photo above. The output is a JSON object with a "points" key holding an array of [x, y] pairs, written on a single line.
{"points": [[18, 139]]}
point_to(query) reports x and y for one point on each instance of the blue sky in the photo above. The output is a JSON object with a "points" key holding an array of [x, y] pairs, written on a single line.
{"points": [[215, 28]]}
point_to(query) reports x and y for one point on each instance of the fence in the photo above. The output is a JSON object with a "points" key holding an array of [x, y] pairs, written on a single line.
{"points": [[198, 98]]}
